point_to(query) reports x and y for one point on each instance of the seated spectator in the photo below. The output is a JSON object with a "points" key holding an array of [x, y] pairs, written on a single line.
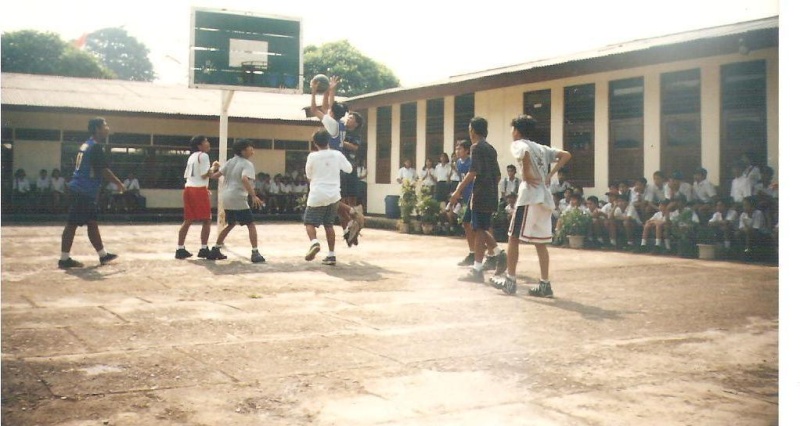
{"points": [[575, 202], [740, 187], [767, 193], [607, 210], [704, 194], [639, 197], [43, 188], [131, 195], [58, 186], [21, 191], [560, 183], [625, 218], [676, 186], [287, 196], [510, 204], [624, 189], [613, 188], [597, 230], [724, 221], [659, 224], [272, 194], [299, 191], [752, 231], [654, 193]]}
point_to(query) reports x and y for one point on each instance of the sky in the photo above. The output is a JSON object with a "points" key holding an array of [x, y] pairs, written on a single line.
{"points": [[420, 41]]}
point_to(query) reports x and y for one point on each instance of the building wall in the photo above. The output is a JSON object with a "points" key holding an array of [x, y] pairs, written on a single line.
{"points": [[36, 155], [499, 106]]}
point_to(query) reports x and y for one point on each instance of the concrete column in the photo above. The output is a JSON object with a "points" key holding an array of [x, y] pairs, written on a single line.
{"points": [[710, 113], [449, 122], [652, 123], [422, 137], [557, 116], [601, 116], [773, 115]]}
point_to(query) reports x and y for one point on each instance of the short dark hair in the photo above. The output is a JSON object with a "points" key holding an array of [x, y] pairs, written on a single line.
{"points": [[466, 144], [525, 125], [339, 110], [240, 145], [321, 138], [658, 173], [359, 120], [479, 125], [593, 199], [663, 202], [96, 123], [195, 142], [701, 171], [512, 167], [643, 180]]}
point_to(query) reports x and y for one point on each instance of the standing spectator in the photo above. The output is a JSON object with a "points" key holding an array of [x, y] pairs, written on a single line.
{"points": [[753, 231], [751, 172], [90, 168], [455, 174], [22, 191], [442, 174], [560, 182], [740, 186], [510, 183], [239, 174], [427, 176], [485, 173], [407, 172], [58, 186], [43, 188], [196, 197]]}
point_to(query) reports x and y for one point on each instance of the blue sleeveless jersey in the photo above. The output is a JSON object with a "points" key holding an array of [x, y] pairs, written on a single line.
{"points": [[86, 179], [336, 142]]}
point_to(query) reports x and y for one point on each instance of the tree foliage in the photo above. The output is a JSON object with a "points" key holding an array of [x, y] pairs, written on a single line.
{"points": [[35, 52], [121, 53], [359, 74]]}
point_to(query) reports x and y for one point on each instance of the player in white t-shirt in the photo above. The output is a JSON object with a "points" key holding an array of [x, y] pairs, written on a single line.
{"points": [[196, 198], [531, 221], [323, 168]]}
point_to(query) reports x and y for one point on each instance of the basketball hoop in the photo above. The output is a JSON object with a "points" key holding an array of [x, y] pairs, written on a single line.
{"points": [[250, 69]]}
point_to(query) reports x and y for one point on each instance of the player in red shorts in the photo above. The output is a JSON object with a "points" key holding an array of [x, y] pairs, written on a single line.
{"points": [[196, 197]]}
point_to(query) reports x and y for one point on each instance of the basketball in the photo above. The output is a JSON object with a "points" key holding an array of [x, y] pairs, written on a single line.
{"points": [[323, 82]]}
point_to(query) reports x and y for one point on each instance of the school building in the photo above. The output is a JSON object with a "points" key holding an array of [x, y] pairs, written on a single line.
{"points": [[677, 102]]}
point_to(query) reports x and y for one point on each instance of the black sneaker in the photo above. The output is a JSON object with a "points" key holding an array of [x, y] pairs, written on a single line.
{"points": [[544, 290], [203, 253], [497, 281], [216, 255], [182, 254], [69, 263], [473, 276], [468, 261], [107, 258], [510, 286], [329, 260], [490, 262], [256, 257], [502, 262], [312, 251]]}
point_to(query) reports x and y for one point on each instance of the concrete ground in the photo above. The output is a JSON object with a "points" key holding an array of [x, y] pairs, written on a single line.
{"points": [[388, 336]]}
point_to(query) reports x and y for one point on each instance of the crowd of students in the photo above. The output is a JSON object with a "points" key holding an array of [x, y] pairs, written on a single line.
{"points": [[657, 216], [44, 195]]}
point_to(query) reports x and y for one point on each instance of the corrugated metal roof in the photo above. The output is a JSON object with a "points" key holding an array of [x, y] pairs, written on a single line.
{"points": [[142, 97], [614, 49]]}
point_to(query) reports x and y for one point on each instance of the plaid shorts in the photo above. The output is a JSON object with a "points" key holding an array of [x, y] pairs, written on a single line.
{"points": [[322, 215]]}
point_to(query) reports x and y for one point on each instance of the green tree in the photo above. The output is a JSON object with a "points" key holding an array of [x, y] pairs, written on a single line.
{"points": [[35, 52], [121, 53], [359, 73]]}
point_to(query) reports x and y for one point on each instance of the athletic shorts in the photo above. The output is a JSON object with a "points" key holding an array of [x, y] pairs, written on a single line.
{"points": [[82, 209], [196, 203], [481, 221], [442, 191], [322, 215], [467, 214], [349, 184], [532, 224], [243, 217]]}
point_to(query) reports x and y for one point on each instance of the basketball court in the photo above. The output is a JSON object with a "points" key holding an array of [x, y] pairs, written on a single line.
{"points": [[389, 336]]}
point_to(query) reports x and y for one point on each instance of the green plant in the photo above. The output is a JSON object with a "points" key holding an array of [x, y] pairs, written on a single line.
{"points": [[576, 222], [428, 208], [408, 201]]}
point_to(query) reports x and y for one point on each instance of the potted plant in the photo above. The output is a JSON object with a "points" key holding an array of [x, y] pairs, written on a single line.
{"points": [[408, 201], [429, 211], [575, 225]]}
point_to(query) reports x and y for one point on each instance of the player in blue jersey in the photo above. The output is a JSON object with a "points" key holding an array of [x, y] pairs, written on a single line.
{"points": [[91, 167]]}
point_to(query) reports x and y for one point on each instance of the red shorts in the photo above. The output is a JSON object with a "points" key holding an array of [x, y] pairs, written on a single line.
{"points": [[196, 203]]}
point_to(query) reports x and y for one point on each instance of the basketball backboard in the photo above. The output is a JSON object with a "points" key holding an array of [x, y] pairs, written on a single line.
{"points": [[245, 51]]}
